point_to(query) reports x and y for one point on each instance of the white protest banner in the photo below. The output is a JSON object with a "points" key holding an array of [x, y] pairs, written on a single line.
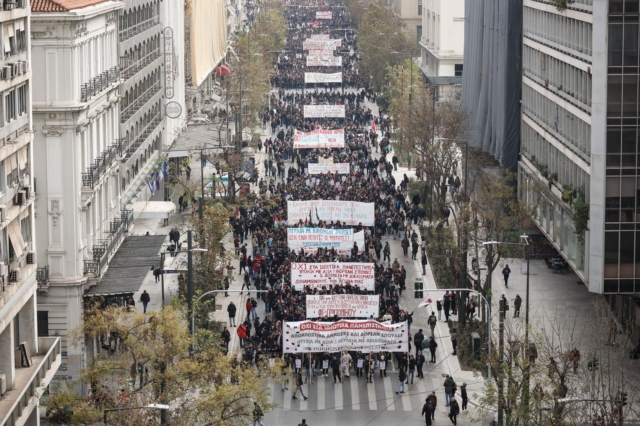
{"points": [[318, 275], [320, 36], [309, 239], [323, 15], [323, 160], [347, 335], [324, 61], [320, 53], [321, 44], [347, 212], [320, 138], [317, 77], [323, 168], [324, 111], [343, 305]]}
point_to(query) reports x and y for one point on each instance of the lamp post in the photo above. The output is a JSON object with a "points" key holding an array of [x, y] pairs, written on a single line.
{"points": [[527, 370]]}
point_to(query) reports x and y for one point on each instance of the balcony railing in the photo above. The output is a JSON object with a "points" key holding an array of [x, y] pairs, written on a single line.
{"points": [[101, 164], [98, 84], [144, 134], [47, 358], [128, 112], [104, 249], [130, 67], [42, 277], [126, 34]]}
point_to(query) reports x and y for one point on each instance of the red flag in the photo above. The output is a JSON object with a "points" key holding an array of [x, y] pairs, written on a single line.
{"points": [[373, 124], [314, 24]]}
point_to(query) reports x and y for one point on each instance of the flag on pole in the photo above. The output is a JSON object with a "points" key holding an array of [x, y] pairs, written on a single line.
{"points": [[373, 124], [426, 302], [317, 215], [310, 216], [276, 223]]}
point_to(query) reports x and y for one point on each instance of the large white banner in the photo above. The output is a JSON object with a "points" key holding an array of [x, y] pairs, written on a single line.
{"points": [[343, 305], [324, 168], [318, 77], [318, 275], [324, 61], [347, 212], [309, 239], [323, 15], [348, 335], [321, 44], [320, 37], [321, 53], [324, 111], [320, 138]]}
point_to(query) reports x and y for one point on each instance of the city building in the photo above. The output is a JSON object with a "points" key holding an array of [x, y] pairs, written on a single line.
{"points": [[28, 356], [491, 80], [77, 158], [442, 44], [410, 13]]}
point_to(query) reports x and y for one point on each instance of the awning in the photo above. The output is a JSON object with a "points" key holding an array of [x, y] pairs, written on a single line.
{"points": [[223, 71], [130, 265], [15, 235], [153, 209]]}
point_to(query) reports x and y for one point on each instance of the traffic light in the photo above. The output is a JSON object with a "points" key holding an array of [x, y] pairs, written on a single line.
{"points": [[623, 399], [596, 363], [593, 363]]}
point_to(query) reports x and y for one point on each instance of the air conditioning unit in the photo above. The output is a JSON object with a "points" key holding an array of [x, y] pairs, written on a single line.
{"points": [[15, 275], [5, 73], [25, 66], [31, 258], [3, 384], [20, 198]]}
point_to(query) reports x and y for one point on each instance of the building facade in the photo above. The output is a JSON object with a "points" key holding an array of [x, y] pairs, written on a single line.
{"points": [[28, 357], [77, 161], [558, 107], [410, 12], [442, 43]]}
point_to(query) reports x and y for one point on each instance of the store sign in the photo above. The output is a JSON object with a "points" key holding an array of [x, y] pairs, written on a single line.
{"points": [[168, 63]]}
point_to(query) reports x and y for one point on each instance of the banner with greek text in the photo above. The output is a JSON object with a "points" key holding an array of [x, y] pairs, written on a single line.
{"points": [[343, 305], [323, 53], [318, 275], [320, 138], [317, 77], [324, 61], [321, 44], [309, 239], [323, 168], [324, 15], [347, 212], [324, 111], [347, 335], [320, 37]]}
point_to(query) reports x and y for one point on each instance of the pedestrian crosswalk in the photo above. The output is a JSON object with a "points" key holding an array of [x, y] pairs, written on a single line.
{"points": [[355, 394]]}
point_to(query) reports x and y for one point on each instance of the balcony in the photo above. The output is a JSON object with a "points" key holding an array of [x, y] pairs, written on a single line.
{"points": [[130, 67], [104, 249], [98, 84], [101, 164], [30, 382], [134, 30], [128, 112], [144, 134], [42, 278]]}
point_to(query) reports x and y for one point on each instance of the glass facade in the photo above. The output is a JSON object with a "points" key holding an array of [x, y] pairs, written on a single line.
{"points": [[622, 204]]}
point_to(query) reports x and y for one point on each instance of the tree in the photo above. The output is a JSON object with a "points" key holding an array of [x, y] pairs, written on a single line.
{"points": [[148, 359]]}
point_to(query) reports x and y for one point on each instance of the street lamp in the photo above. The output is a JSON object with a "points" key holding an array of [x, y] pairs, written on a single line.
{"points": [[527, 370], [153, 406]]}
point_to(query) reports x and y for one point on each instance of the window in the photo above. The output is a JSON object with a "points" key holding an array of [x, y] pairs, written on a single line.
{"points": [[419, 7], [458, 70], [25, 229], [22, 99], [43, 323], [10, 106], [419, 32]]}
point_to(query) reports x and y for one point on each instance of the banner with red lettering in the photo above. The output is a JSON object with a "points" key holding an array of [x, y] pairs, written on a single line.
{"points": [[343, 305], [318, 275], [345, 335], [324, 15], [324, 111], [321, 44], [310, 239], [347, 212], [324, 61], [324, 168], [320, 138]]}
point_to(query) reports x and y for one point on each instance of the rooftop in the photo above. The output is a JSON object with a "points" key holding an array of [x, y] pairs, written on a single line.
{"points": [[62, 5]]}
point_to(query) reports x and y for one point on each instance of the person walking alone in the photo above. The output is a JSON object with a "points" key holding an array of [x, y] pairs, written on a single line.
{"points": [[506, 272], [231, 309], [517, 302], [427, 412], [145, 299], [258, 414], [299, 382], [454, 340], [454, 410], [402, 376], [424, 262], [432, 348], [465, 397]]}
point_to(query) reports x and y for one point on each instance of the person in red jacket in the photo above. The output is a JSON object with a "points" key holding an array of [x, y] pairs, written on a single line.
{"points": [[242, 334], [249, 307]]}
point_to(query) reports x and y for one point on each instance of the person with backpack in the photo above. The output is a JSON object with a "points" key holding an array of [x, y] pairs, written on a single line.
{"points": [[449, 390], [439, 307], [505, 272], [258, 414]]}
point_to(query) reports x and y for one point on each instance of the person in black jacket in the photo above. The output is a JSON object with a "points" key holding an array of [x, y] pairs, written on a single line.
{"points": [[145, 299], [226, 337], [335, 366], [465, 398], [424, 262], [427, 412], [454, 410], [417, 341], [432, 348], [231, 309], [420, 360], [299, 386]]}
